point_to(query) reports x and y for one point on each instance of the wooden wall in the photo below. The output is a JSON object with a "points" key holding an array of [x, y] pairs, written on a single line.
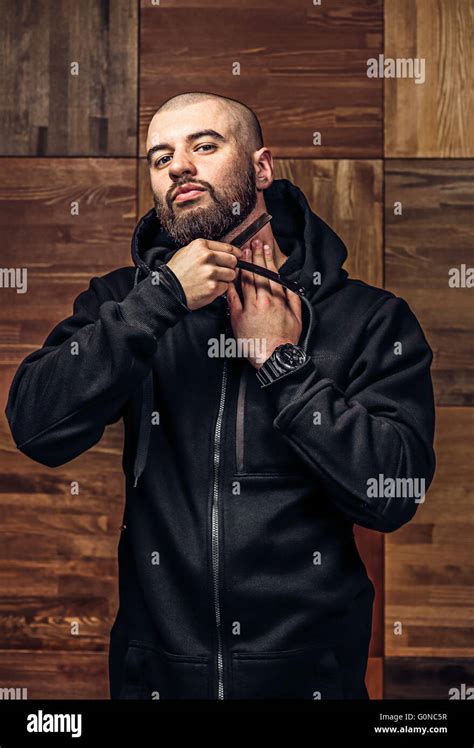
{"points": [[66, 138]]}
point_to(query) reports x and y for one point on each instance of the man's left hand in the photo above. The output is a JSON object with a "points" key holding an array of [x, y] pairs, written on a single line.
{"points": [[270, 314]]}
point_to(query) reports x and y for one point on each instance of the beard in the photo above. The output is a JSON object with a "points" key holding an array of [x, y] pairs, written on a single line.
{"points": [[228, 208]]}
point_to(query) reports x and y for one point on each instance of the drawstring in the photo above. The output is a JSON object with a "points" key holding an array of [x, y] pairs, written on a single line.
{"points": [[144, 428], [310, 322], [145, 419]]}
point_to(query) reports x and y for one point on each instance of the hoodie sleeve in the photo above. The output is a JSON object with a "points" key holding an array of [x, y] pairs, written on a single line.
{"points": [[64, 394], [364, 444]]}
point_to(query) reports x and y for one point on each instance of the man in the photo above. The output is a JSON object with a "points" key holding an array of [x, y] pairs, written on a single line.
{"points": [[238, 571]]}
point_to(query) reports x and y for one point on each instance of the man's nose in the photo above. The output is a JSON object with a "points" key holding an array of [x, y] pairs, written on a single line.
{"points": [[180, 166]]}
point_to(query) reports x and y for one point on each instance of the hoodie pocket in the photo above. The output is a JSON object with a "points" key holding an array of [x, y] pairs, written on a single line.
{"points": [[152, 673], [259, 448], [303, 674]]}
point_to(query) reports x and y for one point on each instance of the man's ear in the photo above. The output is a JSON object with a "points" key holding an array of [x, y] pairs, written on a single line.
{"points": [[265, 173]]}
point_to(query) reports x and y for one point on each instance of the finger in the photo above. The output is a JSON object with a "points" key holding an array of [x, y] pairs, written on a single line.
{"points": [[247, 279], [224, 247], [262, 286], [294, 302], [223, 274], [275, 288], [224, 259], [233, 299]]}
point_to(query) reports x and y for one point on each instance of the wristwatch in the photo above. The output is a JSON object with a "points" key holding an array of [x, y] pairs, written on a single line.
{"points": [[284, 359]]}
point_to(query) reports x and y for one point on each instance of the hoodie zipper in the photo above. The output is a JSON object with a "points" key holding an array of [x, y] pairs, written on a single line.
{"points": [[215, 520]]}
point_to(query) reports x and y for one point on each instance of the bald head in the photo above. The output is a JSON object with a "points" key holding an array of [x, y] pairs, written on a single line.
{"points": [[243, 122]]}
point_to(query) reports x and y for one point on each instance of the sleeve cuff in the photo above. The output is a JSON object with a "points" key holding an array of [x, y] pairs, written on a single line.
{"points": [[154, 306]]}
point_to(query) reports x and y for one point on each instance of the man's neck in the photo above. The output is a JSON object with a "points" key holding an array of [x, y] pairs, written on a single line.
{"points": [[265, 235]]}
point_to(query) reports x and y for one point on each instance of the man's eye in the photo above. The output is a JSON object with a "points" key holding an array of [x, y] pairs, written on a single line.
{"points": [[159, 161]]}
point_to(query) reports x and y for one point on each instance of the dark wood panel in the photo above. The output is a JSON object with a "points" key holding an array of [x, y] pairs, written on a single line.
{"points": [[60, 251], [434, 234], [45, 109], [429, 566], [56, 675], [427, 678], [58, 555], [58, 552], [433, 118], [303, 68]]}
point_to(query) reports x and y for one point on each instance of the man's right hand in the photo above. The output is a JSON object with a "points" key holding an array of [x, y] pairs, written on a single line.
{"points": [[205, 268]]}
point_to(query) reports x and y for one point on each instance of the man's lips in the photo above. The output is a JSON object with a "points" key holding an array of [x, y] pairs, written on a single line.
{"points": [[188, 194]]}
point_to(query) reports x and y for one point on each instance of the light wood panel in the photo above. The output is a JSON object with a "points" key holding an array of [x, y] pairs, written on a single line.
{"points": [[303, 68], [434, 234], [433, 118]]}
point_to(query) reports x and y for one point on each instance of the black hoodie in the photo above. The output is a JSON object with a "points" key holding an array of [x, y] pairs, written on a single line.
{"points": [[239, 575]]}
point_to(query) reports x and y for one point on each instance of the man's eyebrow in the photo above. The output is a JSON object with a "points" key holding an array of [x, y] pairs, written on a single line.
{"points": [[189, 138]]}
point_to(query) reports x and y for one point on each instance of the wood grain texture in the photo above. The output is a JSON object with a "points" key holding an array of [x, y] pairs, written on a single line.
{"points": [[58, 552], [429, 565], [60, 251], [374, 677], [426, 678], [47, 111], [434, 234], [56, 675], [303, 68], [58, 568], [433, 118]]}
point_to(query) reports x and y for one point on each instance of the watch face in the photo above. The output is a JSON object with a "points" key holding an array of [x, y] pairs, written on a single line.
{"points": [[290, 356]]}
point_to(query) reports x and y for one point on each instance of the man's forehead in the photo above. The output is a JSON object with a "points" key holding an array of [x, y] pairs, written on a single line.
{"points": [[177, 124]]}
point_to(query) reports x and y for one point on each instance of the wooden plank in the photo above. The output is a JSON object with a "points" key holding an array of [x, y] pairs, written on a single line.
{"points": [[56, 675], [429, 568], [60, 251], [433, 118], [48, 111], [58, 556], [58, 551], [434, 235], [303, 68], [427, 678]]}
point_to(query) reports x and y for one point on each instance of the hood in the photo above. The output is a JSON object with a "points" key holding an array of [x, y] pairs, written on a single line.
{"points": [[310, 245], [315, 255]]}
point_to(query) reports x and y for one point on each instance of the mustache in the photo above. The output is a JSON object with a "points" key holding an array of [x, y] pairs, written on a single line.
{"points": [[177, 185]]}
